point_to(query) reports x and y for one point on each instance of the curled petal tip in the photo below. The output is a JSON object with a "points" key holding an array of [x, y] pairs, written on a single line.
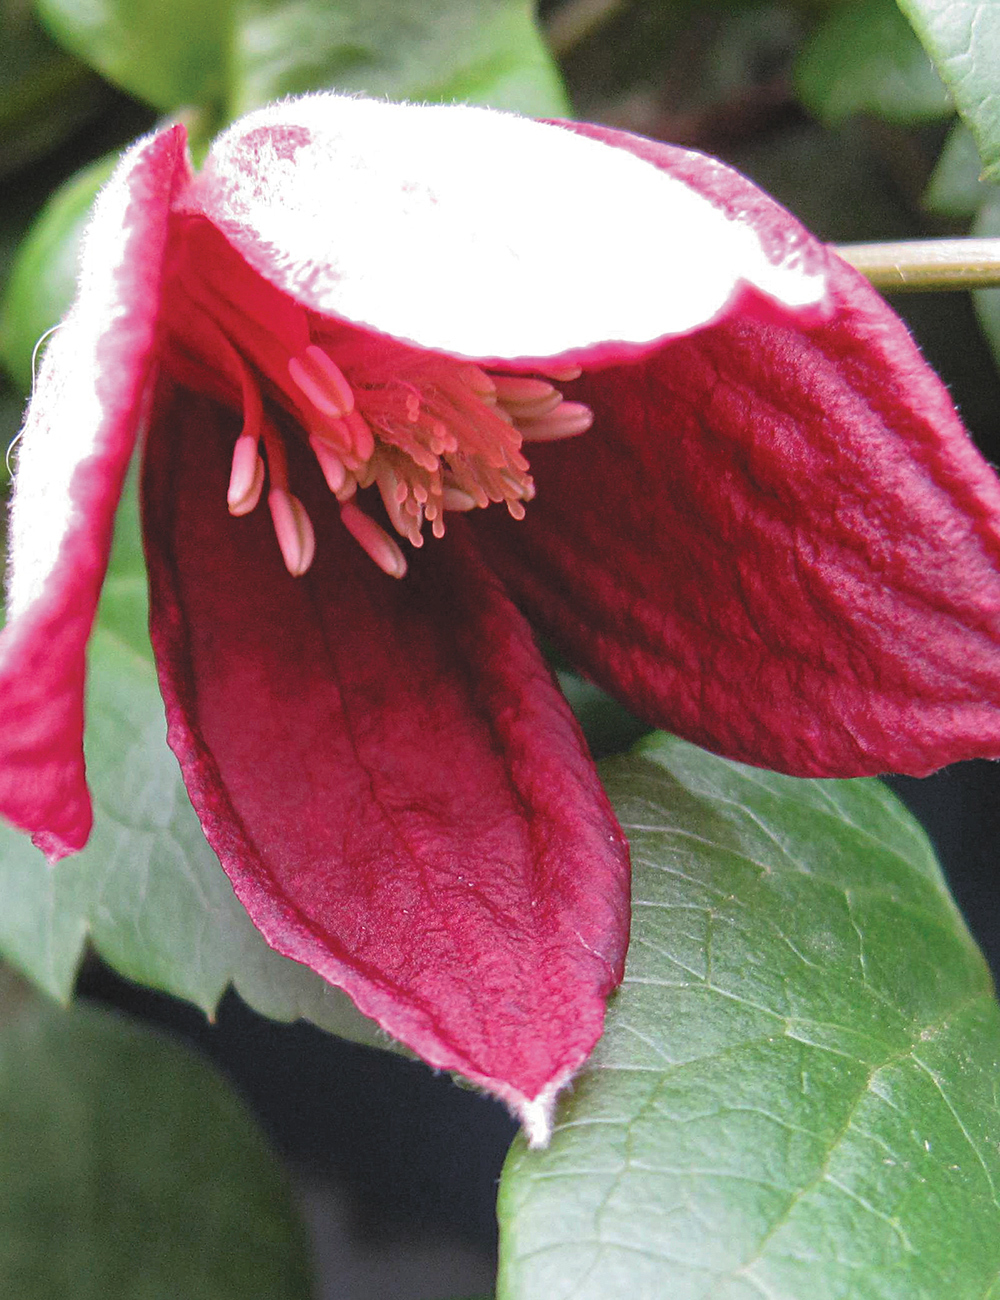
{"points": [[537, 1115]]}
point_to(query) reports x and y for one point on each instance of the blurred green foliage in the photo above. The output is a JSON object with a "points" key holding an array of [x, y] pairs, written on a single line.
{"points": [[128, 1168]]}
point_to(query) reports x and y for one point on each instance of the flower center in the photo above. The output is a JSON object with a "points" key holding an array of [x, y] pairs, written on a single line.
{"points": [[431, 433]]}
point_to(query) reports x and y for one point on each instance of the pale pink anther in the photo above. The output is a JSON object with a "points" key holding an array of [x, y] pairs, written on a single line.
{"points": [[564, 374], [374, 540], [246, 479], [293, 529], [336, 433], [393, 493], [514, 389], [453, 498], [322, 381], [566, 421], [362, 438], [348, 490], [445, 437], [534, 410], [479, 381], [334, 469]]}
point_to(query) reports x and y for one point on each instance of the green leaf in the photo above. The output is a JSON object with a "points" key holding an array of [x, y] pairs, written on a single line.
{"points": [[167, 55], [232, 55], [963, 39], [478, 51], [956, 187], [796, 1093], [865, 59], [147, 891], [43, 278], [129, 1169]]}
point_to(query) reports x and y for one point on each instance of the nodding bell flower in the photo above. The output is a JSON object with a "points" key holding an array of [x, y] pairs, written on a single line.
{"points": [[406, 378]]}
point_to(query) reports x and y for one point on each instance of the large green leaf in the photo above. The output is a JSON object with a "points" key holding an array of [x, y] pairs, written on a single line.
{"points": [[963, 39], [167, 55], [147, 890], [128, 1169], [796, 1094], [956, 188], [865, 59], [232, 55], [479, 51]]}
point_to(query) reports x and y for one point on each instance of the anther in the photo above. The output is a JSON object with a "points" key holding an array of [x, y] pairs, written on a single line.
{"points": [[361, 435], [334, 469], [514, 389], [566, 421], [455, 499], [322, 381], [246, 479], [478, 380], [293, 529], [374, 540]]}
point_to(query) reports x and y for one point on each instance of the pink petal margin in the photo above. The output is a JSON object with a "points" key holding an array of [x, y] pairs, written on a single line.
{"points": [[78, 438], [777, 539], [388, 773]]}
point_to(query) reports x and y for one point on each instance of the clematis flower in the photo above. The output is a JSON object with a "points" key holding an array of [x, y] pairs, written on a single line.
{"points": [[406, 376]]}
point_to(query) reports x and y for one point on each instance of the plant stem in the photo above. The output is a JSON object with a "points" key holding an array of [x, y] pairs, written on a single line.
{"points": [[927, 263]]}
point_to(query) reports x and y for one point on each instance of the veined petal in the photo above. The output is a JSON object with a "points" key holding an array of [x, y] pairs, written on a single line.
{"points": [[488, 235], [779, 542], [387, 772], [74, 450]]}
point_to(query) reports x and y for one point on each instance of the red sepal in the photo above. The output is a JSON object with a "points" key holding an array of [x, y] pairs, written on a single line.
{"points": [[387, 772]]}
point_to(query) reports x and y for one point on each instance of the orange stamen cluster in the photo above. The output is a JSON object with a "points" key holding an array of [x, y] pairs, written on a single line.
{"points": [[432, 434]]}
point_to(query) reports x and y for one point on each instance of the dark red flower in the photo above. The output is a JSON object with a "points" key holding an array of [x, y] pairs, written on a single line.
{"points": [[750, 512]]}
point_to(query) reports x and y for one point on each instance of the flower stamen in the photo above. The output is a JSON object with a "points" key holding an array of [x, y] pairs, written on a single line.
{"points": [[246, 479], [322, 382], [374, 540], [432, 434], [292, 525], [564, 421], [293, 529]]}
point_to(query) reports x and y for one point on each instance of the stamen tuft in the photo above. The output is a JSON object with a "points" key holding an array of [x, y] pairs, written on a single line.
{"points": [[434, 434]]}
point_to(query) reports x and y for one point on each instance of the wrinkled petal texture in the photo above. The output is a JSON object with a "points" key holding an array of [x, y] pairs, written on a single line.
{"points": [[74, 450], [387, 772], [777, 539], [487, 235]]}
